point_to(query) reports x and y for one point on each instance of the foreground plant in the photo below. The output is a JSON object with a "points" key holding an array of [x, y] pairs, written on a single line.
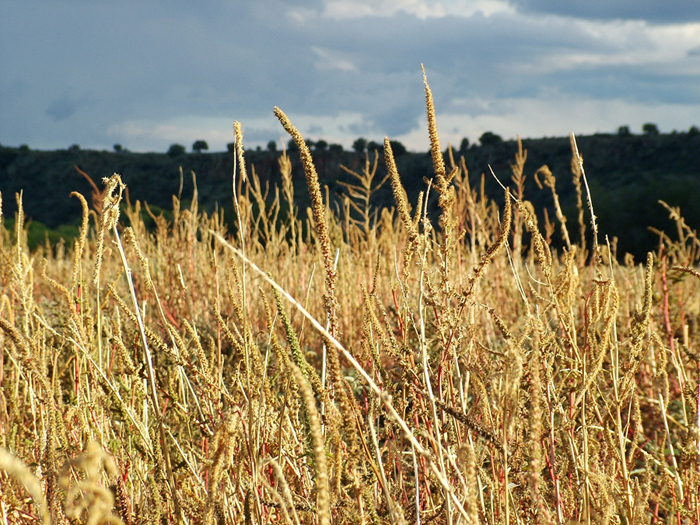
{"points": [[462, 371]]}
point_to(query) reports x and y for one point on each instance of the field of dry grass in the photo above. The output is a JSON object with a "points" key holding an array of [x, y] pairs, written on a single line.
{"points": [[363, 366]]}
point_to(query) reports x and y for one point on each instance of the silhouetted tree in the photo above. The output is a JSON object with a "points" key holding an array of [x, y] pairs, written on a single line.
{"points": [[118, 148], [292, 146], [397, 148], [175, 150], [650, 129], [74, 147], [335, 149], [624, 131], [464, 145], [359, 145], [199, 146], [693, 131], [272, 146], [231, 146], [488, 138], [375, 146], [321, 145], [310, 143]]}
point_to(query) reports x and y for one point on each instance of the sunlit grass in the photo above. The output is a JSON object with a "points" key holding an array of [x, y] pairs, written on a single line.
{"points": [[349, 365]]}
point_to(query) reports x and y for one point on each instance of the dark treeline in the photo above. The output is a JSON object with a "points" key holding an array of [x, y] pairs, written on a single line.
{"points": [[628, 174]]}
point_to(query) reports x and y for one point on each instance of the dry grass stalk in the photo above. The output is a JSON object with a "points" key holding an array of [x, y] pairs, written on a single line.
{"points": [[86, 500], [488, 256], [402, 205], [550, 181], [317, 206], [17, 469], [435, 151], [238, 132], [465, 387], [319, 449]]}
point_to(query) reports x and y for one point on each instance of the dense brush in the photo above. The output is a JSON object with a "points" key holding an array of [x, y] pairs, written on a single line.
{"points": [[366, 366]]}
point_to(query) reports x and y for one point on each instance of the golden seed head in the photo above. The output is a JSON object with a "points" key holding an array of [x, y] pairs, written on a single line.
{"points": [[238, 132]]}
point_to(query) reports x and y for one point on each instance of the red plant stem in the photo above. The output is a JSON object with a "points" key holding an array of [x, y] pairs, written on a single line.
{"points": [[127, 465], [111, 360], [441, 375], [675, 503]]}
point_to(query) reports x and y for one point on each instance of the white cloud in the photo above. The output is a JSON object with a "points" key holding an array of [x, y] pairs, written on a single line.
{"points": [[217, 132], [527, 117], [534, 117], [626, 43], [331, 59], [257, 131], [422, 9]]}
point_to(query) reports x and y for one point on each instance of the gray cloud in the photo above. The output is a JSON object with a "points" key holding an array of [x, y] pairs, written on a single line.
{"points": [[160, 61], [63, 108], [649, 10]]}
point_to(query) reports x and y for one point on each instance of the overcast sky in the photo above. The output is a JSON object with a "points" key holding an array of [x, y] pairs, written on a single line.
{"points": [[149, 73]]}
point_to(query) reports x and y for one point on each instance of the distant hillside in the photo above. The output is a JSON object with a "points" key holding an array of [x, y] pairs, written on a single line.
{"points": [[627, 174]]}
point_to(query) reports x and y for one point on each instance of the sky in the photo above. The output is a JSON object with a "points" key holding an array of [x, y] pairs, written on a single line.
{"points": [[149, 73]]}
